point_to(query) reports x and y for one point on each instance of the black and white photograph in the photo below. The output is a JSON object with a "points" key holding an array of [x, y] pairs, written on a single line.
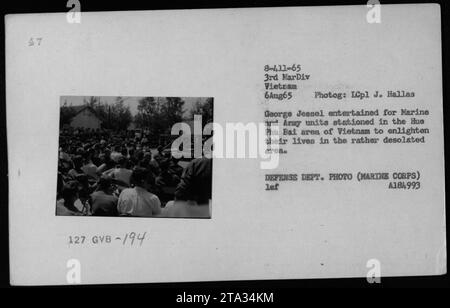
{"points": [[238, 149], [116, 158]]}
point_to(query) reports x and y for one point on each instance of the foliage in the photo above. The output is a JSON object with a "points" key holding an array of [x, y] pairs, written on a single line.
{"points": [[160, 114], [205, 109], [66, 113]]}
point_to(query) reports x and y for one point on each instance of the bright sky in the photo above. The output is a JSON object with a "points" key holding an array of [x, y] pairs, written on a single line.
{"points": [[131, 101]]}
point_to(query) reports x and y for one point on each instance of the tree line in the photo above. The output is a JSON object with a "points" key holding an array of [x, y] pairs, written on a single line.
{"points": [[157, 115]]}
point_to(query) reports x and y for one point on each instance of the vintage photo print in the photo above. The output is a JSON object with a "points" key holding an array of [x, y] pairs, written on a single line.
{"points": [[117, 157]]}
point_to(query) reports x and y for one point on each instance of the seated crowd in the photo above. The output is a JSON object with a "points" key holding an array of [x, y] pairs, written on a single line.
{"points": [[118, 174]]}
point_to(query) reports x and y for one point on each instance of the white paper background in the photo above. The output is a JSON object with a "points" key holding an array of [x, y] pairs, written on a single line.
{"points": [[305, 230]]}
